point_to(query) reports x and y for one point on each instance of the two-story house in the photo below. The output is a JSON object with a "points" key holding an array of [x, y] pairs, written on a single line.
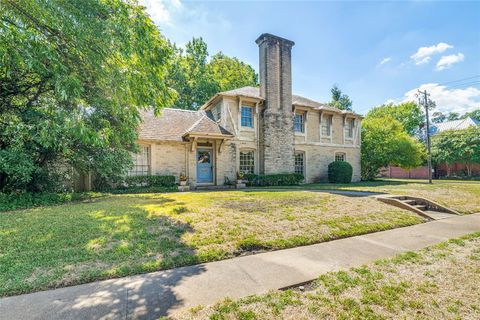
{"points": [[261, 130]]}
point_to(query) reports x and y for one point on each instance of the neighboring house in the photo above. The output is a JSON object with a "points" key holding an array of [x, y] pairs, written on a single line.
{"points": [[455, 124], [262, 130]]}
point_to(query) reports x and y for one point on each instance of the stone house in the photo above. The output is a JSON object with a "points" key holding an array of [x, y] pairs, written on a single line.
{"points": [[262, 130]]}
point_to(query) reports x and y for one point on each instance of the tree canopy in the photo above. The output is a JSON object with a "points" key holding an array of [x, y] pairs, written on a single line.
{"points": [[196, 78], [385, 142], [409, 114], [73, 76], [340, 100], [461, 146]]}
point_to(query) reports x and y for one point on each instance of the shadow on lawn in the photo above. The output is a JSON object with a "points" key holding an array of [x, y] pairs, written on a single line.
{"points": [[137, 242]]}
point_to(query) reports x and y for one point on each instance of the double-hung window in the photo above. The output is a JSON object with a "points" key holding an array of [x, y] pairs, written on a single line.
{"points": [[299, 122], [327, 125], [349, 128], [141, 162], [300, 163], [247, 162], [247, 116]]}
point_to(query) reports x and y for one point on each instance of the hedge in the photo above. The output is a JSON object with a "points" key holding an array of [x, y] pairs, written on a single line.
{"points": [[340, 172], [149, 181], [24, 200], [282, 179]]}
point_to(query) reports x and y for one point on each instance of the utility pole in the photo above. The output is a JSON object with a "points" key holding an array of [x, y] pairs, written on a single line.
{"points": [[425, 104]]}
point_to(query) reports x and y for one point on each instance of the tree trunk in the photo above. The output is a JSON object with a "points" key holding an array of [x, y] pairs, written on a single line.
{"points": [[469, 169], [448, 169]]}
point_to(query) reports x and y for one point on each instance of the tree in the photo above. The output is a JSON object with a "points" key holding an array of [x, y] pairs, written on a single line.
{"points": [[73, 77], [231, 73], [196, 78], [444, 149], [409, 114], [340, 100], [385, 142], [461, 146], [453, 116], [438, 117], [475, 114]]}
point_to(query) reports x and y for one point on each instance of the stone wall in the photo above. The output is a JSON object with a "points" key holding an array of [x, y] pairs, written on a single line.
{"points": [[276, 121]]}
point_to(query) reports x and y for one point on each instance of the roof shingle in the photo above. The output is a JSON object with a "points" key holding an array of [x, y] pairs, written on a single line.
{"points": [[173, 124]]}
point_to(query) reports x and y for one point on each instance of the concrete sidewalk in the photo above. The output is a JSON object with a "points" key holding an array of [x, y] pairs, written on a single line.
{"points": [[160, 293]]}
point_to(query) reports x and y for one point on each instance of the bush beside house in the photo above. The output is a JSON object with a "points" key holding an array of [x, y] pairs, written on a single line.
{"points": [[340, 172]]}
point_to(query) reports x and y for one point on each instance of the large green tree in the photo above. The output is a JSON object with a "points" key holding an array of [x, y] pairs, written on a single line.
{"points": [[196, 77], [339, 99], [461, 146], [73, 76], [385, 142], [409, 114]]}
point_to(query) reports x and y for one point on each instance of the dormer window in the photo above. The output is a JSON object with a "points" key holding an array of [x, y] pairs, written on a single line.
{"points": [[247, 117], [299, 122], [217, 112]]}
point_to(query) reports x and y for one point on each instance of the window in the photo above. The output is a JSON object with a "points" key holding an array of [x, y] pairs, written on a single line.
{"points": [[349, 128], [247, 162], [327, 125], [340, 156], [217, 112], [300, 162], [141, 162], [299, 122], [247, 118]]}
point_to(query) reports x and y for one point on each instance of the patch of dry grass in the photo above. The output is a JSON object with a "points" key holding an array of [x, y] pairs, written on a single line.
{"points": [[462, 196], [130, 234], [440, 282]]}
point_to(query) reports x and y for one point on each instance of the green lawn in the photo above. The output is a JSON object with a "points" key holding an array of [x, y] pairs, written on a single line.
{"points": [[440, 282], [463, 196], [121, 235]]}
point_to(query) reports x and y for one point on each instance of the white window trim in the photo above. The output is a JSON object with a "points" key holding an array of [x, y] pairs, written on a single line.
{"points": [[304, 163], [255, 160], [330, 136], [254, 122], [149, 159], [304, 115]]}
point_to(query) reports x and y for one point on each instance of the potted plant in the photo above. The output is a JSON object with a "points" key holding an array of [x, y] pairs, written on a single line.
{"points": [[240, 176], [183, 179]]}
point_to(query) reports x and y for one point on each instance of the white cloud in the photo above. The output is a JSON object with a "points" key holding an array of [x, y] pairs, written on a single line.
{"points": [[459, 100], [446, 62], [180, 21], [161, 11], [424, 54], [385, 60]]}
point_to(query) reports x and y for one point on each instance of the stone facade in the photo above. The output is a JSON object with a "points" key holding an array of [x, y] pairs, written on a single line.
{"points": [[327, 133], [276, 121]]}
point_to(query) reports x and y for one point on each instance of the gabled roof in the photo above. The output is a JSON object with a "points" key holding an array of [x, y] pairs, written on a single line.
{"points": [[456, 124], [254, 92], [174, 124]]}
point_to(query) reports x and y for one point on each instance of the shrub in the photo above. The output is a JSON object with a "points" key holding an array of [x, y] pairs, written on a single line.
{"points": [[150, 181], [340, 172], [282, 179], [24, 200], [250, 179]]}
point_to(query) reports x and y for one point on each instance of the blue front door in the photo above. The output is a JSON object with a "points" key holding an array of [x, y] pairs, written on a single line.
{"points": [[204, 166]]}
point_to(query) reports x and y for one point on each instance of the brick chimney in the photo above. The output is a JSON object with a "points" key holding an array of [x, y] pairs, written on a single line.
{"points": [[276, 154]]}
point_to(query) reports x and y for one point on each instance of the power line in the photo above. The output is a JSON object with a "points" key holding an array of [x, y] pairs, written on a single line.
{"points": [[473, 77], [464, 84]]}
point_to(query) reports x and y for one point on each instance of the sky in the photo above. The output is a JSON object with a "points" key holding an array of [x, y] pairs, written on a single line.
{"points": [[375, 51]]}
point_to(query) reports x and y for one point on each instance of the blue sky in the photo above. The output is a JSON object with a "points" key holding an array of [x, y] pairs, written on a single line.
{"points": [[375, 51]]}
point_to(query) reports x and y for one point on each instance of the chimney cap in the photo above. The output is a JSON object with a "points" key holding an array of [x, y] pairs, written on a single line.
{"points": [[268, 36]]}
